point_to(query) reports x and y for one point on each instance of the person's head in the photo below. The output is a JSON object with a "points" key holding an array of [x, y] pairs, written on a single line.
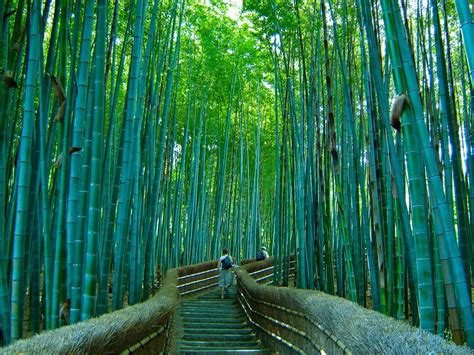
{"points": [[225, 251]]}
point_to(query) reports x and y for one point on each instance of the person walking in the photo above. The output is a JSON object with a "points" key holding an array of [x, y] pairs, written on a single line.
{"points": [[224, 264], [262, 254]]}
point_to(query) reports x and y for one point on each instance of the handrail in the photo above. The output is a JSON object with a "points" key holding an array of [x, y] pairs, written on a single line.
{"points": [[196, 274], [262, 271], [198, 281], [246, 306], [287, 326], [307, 321]]}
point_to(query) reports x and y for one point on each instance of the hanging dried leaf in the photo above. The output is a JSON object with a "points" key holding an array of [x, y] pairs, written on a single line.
{"points": [[59, 161], [74, 149], [398, 105], [8, 14], [11, 83], [58, 89], [16, 47], [60, 115]]}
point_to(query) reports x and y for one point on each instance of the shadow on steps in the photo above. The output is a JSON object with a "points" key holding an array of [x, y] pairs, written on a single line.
{"points": [[207, 324]]}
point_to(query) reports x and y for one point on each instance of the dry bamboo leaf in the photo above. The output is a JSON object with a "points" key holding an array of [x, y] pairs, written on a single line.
{"points": [[59, 161], [8, 14], [398, 105], [74, 149], [11, 83], [60, 115], [58, 89], [16, 47]]}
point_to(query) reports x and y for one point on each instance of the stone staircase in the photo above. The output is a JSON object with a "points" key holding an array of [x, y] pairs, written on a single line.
{"points": [[208, 324]]}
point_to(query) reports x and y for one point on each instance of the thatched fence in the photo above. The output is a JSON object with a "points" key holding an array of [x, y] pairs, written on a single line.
{"points": [[111, 333], [305, 321], [136, 329], [288, 320]]}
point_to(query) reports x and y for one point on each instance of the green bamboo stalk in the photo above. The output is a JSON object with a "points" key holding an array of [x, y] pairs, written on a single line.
{"points": [[222, 165], [467, 29], [4, 287], [176, 233], [107, 194], [4, 303], [438, 281], [277, 237], [255, 209], [449, 119], [204, 205], [125, 190], [468, 113], [399, 262], [107, 249], [395, 165], [75, 166], [24, 173], [59, 272], [35, 269], [249, 246], [89, 296], [150, 154], [45, 208], [191, 230], [417, 191], [136, 206], [158, 171], [348, 132], [144, 71], [297, 148], [444, 224], [311, 185], [67, 140]]}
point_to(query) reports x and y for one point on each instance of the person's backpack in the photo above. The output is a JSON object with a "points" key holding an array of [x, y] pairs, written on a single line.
{"points": [[226, 263], [260, 255]]}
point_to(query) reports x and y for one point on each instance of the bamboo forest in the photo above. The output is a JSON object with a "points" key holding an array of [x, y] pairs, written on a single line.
{"points": [[138, 136]]}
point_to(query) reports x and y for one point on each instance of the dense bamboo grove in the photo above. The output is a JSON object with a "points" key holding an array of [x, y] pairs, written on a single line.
{"points": [[136, 136]]}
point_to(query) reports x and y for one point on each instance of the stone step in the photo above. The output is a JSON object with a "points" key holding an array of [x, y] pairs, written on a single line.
{"points": [[218, 297], [211, 303], [224, 320], [213, 296], [218, 344], [214, 351], [230, 336], [212, 325], [210, 313], [192, 330]]}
